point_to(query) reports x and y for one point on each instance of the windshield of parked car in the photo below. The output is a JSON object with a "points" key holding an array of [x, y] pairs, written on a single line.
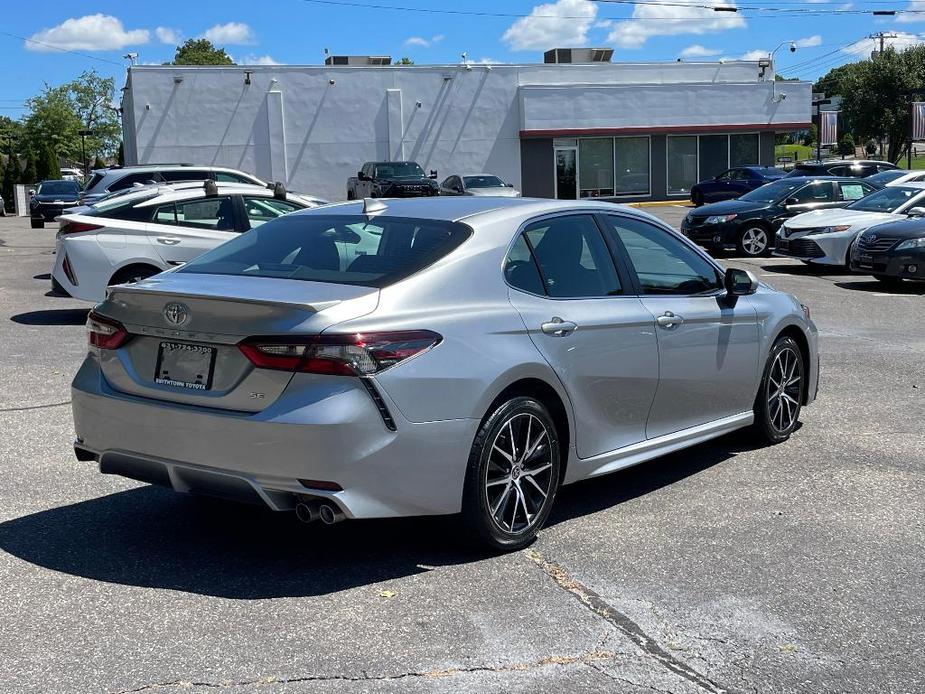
{"points": [[772, 192], [884, 177], [885, 199], [58, 188], [399, 169], [341, 249], [483, 182]]}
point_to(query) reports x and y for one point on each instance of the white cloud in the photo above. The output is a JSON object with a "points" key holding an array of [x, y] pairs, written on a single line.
{"points": [[251, 59], [906, 17], [93, 32], [698, 51], [809, 41], [488, 61], [421, 41], [667, 20], [756, 54], [901, 42], [232, 33], [558, 24], [168, 35]]}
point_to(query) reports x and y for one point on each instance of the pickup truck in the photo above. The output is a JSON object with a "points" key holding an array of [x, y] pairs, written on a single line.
{"points": [[392, 179]]}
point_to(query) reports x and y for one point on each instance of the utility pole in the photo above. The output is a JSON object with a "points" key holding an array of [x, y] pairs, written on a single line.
{"points": [[881, 37]]}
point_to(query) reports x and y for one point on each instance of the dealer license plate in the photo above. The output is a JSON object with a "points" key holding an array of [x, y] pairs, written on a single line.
{"points": [[185, 366]]}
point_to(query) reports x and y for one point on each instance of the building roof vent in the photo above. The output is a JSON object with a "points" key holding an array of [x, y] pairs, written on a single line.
{"points": [[358, 60], [578, 55]]}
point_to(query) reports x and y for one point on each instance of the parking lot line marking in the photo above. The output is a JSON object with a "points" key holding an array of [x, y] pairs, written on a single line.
{"points": [[633, 631]]}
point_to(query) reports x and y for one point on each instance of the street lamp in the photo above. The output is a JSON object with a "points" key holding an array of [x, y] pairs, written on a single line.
{"points": [[83, 151]]}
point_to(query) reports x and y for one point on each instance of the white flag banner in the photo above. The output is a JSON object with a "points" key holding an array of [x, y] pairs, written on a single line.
{"points": [[918, 120], [828, 127]]}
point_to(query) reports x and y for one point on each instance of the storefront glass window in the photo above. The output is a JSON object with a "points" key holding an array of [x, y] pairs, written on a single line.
{"points": [[595, 167], [632, 170], [714, 155], [743, 150], [682, 163]]}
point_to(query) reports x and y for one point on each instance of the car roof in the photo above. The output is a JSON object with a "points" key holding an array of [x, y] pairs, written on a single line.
{"points": [[186, 189], [817, 177], [455, 209]]}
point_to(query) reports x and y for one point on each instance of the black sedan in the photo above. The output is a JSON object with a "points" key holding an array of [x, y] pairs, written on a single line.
{"points": [[891, 252], [749, 223], [733, 183], [855, 168], [50, 199]]}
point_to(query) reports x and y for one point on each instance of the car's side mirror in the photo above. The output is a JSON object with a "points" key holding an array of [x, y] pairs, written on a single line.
{"points": [[361, 176], [791, 201], [31, 192], [433, 173], [916, 212], [740, 282], [509, 185]]}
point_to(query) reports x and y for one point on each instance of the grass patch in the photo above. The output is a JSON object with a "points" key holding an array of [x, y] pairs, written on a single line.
{"points": [[798, 152]]}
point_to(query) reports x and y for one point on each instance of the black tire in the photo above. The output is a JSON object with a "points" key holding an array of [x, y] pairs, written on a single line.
{"points": [[499, 436], [133, 273], [889, 280], [37, 223], [697, 198], [777, 415], [753, 240]]}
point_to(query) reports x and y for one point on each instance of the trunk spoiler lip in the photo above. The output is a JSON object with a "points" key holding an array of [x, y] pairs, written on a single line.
{"points": [[312, 307]]}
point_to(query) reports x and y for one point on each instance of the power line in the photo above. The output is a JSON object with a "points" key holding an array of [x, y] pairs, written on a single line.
{"points": [[58, 48]]}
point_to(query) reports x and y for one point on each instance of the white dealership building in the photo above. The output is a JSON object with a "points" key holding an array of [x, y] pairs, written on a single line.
{"points": [[577, 125]]}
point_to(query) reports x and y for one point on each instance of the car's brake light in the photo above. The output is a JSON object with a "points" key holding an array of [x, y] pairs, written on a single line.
{"points": [[105, 333], [77, 227], [357, 354]]}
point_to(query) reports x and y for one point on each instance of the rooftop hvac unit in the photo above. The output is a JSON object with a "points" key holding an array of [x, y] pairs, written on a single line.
{"points": [[358, 60], [578, 55]]}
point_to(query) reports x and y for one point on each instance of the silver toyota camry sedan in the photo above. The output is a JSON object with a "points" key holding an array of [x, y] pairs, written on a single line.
{"points": [[435, 356]]}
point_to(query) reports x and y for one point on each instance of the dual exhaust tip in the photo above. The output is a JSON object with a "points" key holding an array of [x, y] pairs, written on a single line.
{"points": [[310, 511]]}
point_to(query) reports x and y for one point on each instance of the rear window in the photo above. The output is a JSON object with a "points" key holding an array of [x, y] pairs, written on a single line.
{"points": [[339, 249], [94, 180]]}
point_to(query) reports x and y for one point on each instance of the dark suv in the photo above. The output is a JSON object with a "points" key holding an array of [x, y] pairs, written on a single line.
{"points": [[852, 168]]}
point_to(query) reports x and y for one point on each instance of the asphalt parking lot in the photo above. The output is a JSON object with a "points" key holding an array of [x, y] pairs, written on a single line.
{"points": [[724, 568]]}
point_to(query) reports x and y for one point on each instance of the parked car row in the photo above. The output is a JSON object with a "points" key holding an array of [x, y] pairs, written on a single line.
{"points": [[406, 179]]}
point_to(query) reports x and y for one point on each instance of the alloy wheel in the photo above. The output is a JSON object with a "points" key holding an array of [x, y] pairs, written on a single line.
{"points": [[519, 475], [755, 241], [784, 389]]}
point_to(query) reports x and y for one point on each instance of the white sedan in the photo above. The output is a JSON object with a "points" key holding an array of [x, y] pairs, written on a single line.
{"points": [[485, 185], [825, 236], [140, 233]]}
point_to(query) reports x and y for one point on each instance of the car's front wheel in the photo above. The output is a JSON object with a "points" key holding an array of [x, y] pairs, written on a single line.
{"points": [[513, 474], [777, 406], [754, 241]]}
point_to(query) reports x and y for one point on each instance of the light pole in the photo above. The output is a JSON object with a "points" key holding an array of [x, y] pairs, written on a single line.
{"points": [[83, 152]]}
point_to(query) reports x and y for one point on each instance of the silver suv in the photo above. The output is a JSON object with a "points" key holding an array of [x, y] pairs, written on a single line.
{"points": [[113, 179]]}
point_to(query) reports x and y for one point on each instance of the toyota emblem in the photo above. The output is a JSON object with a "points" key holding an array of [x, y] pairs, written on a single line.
{"points": [[176, 314]]}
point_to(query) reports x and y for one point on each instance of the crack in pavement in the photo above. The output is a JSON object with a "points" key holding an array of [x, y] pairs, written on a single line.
{"points": [[633, 631], [587, 659], [35, 407]]}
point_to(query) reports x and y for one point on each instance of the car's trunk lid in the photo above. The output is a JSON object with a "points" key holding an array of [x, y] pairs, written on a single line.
{"points": [[185, 329]]}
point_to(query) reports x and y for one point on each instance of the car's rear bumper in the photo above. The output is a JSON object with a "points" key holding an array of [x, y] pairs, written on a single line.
{"points": [[332, 434]]}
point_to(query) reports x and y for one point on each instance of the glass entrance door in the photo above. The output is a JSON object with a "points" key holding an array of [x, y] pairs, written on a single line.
{"points": [[566, 173]]}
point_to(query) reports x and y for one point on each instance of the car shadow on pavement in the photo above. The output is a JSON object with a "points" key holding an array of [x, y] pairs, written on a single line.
{"points": [[807, 269], [152, 537], [907, 287], [55, 316]]}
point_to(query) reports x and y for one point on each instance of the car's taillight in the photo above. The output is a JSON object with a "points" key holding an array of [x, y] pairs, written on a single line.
{"points": [[77, 227], [105, 333], [358, 354]]}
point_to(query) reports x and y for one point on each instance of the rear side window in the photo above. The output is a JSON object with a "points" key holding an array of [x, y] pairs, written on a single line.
{"points": [[341, 249], [520, 269], [132, 179], [261, 210], [228, 177], [93, 182], [185, 175], [210, 213], [572, 257]]}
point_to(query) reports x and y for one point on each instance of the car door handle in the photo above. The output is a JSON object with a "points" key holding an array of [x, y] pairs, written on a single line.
{"points": [[669, 320], [558, 327], [168, 240]]}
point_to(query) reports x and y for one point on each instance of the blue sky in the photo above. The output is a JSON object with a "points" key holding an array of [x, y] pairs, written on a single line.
{"points": [[828, 33]]}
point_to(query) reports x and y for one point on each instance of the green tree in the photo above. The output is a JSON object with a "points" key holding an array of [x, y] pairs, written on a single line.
{"points": [[200, 52], [61, 112], [47, 164], [99, 163], [404, 61], [870, 148], [846, 145], [878, 96], [11, 176], [30, 174], [809, 138], [831, 83]]}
